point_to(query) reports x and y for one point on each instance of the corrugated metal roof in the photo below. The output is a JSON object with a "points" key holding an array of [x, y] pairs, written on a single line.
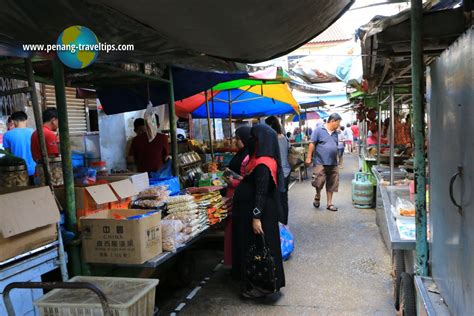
{"points": [[335, 33]]}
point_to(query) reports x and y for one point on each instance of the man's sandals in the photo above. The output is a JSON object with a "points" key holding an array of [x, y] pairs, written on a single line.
{"points": [[316, 202]]}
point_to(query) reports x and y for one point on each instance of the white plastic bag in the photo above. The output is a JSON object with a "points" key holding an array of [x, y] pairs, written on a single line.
{"points": [[151, 123], [171, 234], [404, 208]]}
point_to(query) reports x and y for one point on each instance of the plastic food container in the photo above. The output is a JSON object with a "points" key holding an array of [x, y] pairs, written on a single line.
{"points": [[13, 177], [126, 297], [101, 167], [56, 170]]}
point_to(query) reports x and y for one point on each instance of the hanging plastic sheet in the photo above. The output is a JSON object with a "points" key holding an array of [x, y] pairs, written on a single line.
{"points": [[188, 32]]}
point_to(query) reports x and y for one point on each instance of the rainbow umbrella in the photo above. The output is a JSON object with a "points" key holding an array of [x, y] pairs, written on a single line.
{"points": [[246, 98]]}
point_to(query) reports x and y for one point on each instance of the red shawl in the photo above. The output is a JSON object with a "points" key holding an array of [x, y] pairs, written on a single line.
{"points": [[267, 161]]}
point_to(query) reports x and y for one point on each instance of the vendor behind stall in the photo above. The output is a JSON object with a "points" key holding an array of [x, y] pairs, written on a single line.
{"points": [[50, 126], [148, 156]]}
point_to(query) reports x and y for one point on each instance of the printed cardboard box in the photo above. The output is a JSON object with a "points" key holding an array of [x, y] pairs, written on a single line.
{"points": [[106, 239]]}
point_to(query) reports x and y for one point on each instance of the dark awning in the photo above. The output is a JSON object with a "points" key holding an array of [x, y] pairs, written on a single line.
{"points": [[386, 41], [132, 97], [188, 33]]}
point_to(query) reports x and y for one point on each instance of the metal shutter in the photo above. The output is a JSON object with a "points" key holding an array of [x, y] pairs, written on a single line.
{"points": [[77, 114]]}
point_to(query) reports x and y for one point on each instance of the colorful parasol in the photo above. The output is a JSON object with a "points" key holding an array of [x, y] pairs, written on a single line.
{"points": [[240, 100]]}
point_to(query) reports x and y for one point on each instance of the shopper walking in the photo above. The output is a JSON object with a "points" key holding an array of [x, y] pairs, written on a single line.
{"points": [[236, 165], [355, 135], [324, 143], [340, 145], [256, 208], [284, 146], [348, 137]]}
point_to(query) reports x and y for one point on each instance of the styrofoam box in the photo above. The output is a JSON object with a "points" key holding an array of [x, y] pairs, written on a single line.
{"points": [[126, 297]]}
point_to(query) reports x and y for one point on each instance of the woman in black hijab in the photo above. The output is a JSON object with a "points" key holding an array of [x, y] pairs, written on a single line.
{"points": [[243, 136], [237, 165], [257, 208]]}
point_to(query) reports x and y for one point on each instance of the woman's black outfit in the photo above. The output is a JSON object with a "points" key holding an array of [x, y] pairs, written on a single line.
{"points": [[258, 190], [284, 201], [244, 134]]}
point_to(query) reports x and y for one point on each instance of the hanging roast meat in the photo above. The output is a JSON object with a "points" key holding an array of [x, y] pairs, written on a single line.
{"points": [[372, 115], [372, 126]]}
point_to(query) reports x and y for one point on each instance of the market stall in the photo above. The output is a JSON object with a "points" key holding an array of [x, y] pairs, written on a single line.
{"points": [[388, 74], [92, 195], [243, 99], [93, 200], [83, 191]]}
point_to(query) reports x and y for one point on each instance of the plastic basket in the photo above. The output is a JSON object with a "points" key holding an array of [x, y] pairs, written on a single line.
{"points": [[126, 297]]}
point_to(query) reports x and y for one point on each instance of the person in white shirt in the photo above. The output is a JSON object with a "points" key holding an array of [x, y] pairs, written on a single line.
{"points": [[348, 138], [340, 145]]}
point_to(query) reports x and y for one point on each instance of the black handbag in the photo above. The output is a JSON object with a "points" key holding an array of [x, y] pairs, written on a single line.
{"points": [[260, 268]]}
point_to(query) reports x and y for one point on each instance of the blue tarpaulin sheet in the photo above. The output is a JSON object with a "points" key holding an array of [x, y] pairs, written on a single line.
{"points": [[120, 99]]}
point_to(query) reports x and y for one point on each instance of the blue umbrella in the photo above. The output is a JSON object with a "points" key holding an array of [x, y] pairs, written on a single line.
{"points": [[244, 104]]}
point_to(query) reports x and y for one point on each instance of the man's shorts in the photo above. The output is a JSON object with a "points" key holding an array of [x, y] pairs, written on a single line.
{"points": [[328, 175], [340, 152]]}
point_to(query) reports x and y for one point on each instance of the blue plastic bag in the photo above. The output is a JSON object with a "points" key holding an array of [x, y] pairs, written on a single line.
{"points": [[286, 241], [85, 175], [172, 183], [165, 172]]}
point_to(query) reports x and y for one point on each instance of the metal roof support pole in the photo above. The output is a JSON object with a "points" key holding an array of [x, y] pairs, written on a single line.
{"points": [[38, 119], [172, 117], [379, 133], [306, 119], [301, 127], [65, 147], [392, 135], [417, 74], [209, 125], [213, 116], [230, 114]]}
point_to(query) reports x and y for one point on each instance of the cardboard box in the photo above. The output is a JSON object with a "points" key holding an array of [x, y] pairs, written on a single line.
{"points": [[109, 240], [124, 190], [90, 199], [93, 198], [139, 180], [27, 221]]}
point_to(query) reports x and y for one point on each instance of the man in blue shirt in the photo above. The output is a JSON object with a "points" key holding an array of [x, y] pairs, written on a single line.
{"points": [[18, 140], [325, 141]]}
